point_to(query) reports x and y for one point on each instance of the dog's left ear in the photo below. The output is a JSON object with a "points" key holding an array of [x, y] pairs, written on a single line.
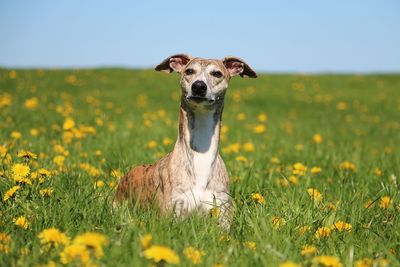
{"points": [[174, 63], [237, 66]]}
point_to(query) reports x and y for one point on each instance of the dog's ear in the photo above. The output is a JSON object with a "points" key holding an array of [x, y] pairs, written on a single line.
{"points": [[174, 63], [237, 66]]}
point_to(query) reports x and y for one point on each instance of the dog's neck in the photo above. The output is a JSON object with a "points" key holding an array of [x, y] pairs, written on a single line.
{"points": [[199, 130]]}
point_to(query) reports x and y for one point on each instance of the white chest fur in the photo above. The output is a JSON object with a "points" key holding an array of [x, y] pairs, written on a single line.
{"points": [[204, 148]]}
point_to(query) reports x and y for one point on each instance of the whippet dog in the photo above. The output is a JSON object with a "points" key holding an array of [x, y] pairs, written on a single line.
{"points": [[193, 176]]}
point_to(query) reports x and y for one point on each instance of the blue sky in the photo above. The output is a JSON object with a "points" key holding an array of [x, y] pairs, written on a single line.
{"points": [[273, 36]]}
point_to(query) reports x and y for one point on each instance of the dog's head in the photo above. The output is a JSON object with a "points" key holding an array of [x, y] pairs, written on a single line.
{"points": [[204, 81]]}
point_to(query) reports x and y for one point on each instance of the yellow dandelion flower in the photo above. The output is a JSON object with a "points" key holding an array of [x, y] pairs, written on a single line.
{"points": [[167, 141], [10, 193], [314, 194], [44, 172], [68, 124], [327, 261], [275, 160], [385, 202], [262, 117], [59, 160], [145, 241], [315, 170], [289, 264], [99, 183], [4, 241], [22, 180], [342, 226], [299, 169], [304, 229], [277, 222], [259, 129], [293, 179], [257, 197], [74, 252], [46, 192], [347, 166], [20, 170], [34, 132], [250, 245], [22, 222], [27, 155], [93, 241], [115, 173], [241, 116], [365, 262], [317, 138], [378, 172], [3, 151], [308, 250], [193, 255], [152, 144], [16, 135], [369, 204], [248, 147], [322, 232], [5, 100], [31, 103], [241, 158], [161, 253], [54, 237]]}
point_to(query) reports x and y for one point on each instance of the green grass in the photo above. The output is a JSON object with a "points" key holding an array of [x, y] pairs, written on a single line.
{"points": [[357, 117]]}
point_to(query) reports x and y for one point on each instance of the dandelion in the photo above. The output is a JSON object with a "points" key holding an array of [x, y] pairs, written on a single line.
{"points": [[241, 158], [317, 138], [327, 261], [250, 245], [304, 229], [22, 180], [262, 117], [378, 172], [27, 155], [115, 173], [259, 129], [258, 198], [4, 241], [167, 141], [248, 147], [347, 166], [73, 253], [46, 192], [299, 169], [34, 132], [93, 241], [241, 116], [31, 103], [369, 204], [342, 226], [314, 194], [20, 170], [59, 160], [293, 179], [53, 236], [16, 135], [341, 105], [145, 241], [152, 144], [365, 262], [275, 160], [277, 222], [22, 222], [43, 172], [3, 151], [68, 124], [10, 193], [161, 254], [308, 250], [385, 202], [322, 232], [289, 264], [193, 255], [99, 183], [315, 170]]}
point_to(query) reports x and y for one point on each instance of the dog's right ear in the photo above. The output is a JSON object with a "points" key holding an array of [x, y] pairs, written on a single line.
{"points": [[174, 63]]}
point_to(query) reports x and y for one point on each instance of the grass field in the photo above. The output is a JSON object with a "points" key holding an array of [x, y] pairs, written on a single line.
{"points": [[313, 160]]}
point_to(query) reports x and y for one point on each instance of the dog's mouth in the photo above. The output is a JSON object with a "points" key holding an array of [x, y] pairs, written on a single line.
{"points": [[200, 99]]}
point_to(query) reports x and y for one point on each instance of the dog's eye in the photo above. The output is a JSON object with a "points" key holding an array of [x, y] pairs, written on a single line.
{"points": [[189, 71], [216, 74]]}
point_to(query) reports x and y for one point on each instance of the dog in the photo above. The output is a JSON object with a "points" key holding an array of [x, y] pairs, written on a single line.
{"points": [[193, 177]]}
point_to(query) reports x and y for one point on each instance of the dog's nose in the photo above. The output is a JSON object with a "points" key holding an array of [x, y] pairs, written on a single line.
{"points": [[199, 88]]}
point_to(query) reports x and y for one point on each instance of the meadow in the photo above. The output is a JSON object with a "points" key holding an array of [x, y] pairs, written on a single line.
{"points": [[313, 161]]}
